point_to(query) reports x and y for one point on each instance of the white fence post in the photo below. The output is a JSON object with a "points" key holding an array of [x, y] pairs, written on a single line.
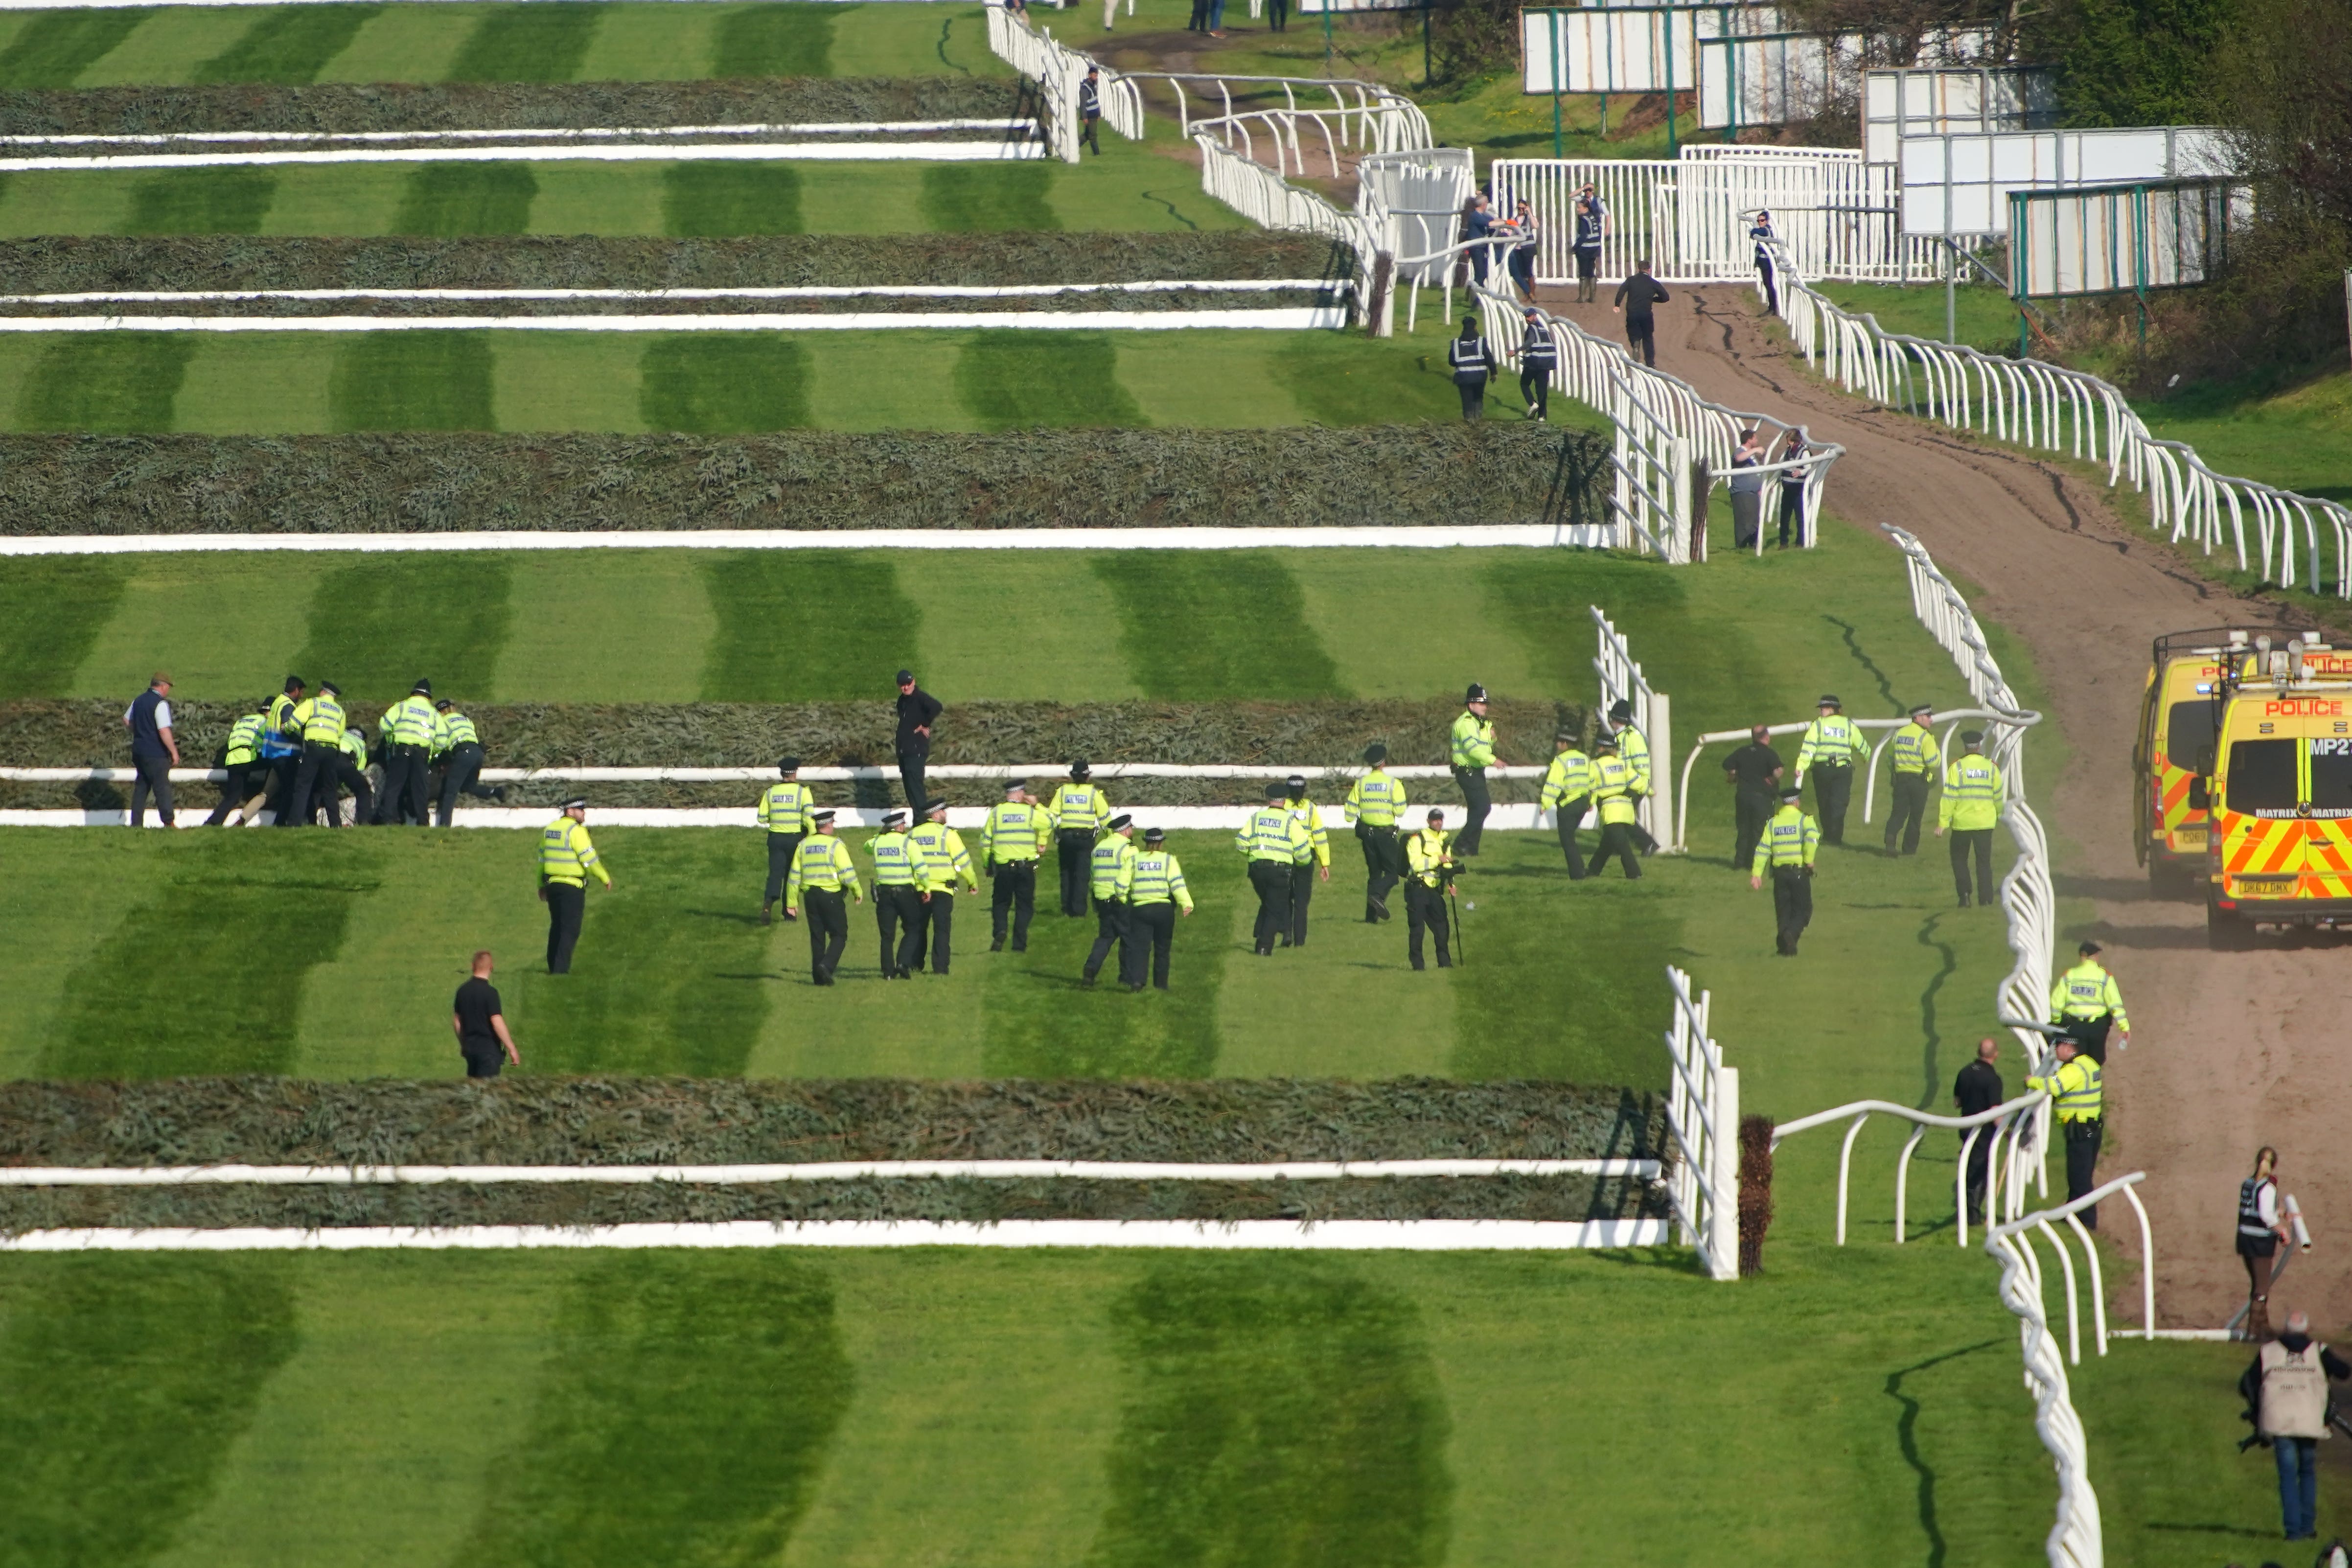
{"points": [[1703, 1128], [1622, 681]]}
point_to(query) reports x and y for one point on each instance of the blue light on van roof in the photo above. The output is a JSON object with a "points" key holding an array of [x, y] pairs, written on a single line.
{"points": [[2205, 688]]}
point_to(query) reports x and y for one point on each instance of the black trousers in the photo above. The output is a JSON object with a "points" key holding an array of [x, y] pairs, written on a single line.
{"points": [[1793, 907], [2090, 1034], [1616, 839], [1833, 790], [1910, 812], [1384, 867], [1641, 337], [1111, 919], [1534, 389], [1074, 849], [782, 848], [1478, 801], [1150, 927], [1752, 810], [458, 771], [566, 901], [1272, 880], [1977, 841], [898, 913], [2083, 1140], [1772, 287], [1569, 814], [406, 783], [282, 771], [483, 1058], [1302, 891], [1200, 22], [155, 774], [933, 936], [827, 914], [910, 776], [1013, 889], [1523, 270], [314, 774], [1278, 12], [1474, 397], [1793, 513], [1424, 909], [1980, 1166], [244, 780], [348, 774]]}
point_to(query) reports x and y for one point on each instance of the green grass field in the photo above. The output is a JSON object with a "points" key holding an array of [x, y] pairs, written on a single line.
{"points": [[729, 383], [292, 44]]}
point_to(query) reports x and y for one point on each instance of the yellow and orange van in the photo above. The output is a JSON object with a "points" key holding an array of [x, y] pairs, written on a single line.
{"points": [[2176, 732], [2277, 792]]}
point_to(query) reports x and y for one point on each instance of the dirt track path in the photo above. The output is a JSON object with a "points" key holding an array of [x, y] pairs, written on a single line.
{"points": [[2228, 1050]]}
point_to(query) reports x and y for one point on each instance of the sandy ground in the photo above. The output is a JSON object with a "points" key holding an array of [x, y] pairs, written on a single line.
{"points": [[2228, 1051]]}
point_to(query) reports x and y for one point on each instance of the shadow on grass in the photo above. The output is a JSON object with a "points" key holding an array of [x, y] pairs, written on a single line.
{"points": [[1906, 1432]]}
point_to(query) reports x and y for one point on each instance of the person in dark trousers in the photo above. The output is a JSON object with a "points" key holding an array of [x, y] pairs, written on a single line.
{"points": [[1969, 811], [248, 775], [2261, 1227], [1830, 750], [1078, 813], [1155, 894], [821, 872], [1753, 771], [945, 862], [406, 732], [1471, 752], [1011, 842], [1792, 489], [350, 773], [1376, 805], [1588, 250], [1761, 233], [787, 810], [1612, 804], [1787, 850], [917, 712], [1111, 874], [1471, 362], [1747, 487], [320, 721], [901, 889], [566, 858], [2076, 1094], [1914, 758], [1317, 863], [1567, 794], [1477, 223], [1272, 842], [1523, 253], [1539, 358], [1090, 115], [1977, 1089], [281, 747], [1426, 888], [1635, 296], [479, 1022], [1277, 14], [154, 750], [2286, 1392], [459, 747], [1199, 19]]}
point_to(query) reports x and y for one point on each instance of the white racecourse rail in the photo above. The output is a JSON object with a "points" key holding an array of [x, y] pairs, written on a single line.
{"points": [[1702, 1124], [2028, 403], [1621, 680]]}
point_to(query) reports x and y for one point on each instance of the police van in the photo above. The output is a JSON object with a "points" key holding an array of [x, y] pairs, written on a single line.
{"points": [[2176, 731], [2277, 792]]}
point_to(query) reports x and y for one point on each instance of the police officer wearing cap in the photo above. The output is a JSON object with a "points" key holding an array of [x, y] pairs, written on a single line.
{"points": [[945, 863], [1012, 841], [1111, 870], [2077, 1100], [1314, 862], [1787, 850], [1154, 891], [1271, 842], [1567, 789], [320, 721], [1079, 810], [281, 747], [1833, 744], [1973, 792], [457, 747], [1916, 759], [2086, 1002], [788, 811], [1633, 751], [1612, 802], [1426, 889], [565, 858], [1376, 805], [406, 733], [1472, 746], [821, 871], [901, 889]]}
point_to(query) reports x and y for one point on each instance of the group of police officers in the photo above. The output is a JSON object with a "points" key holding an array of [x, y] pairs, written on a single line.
{"points": [[302, 751]]}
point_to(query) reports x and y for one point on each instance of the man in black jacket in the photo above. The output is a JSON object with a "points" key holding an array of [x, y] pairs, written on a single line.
{"points": [[1753, 771], [1979, 1088], [917, 712], [1634, 298]]}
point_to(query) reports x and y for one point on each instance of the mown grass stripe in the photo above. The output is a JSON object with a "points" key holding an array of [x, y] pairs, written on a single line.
{"points": [[51, 613], [1040, 1021], [127, 1383], [250, 921], [1016, 379], [684, 1418], [792, 40], [108, 383], [542, 41], [667, 976], [1203, 625], [988, 198], [411, 381], [1282, 1411], [725, 384], [446, 199], [202, 200], [800, 628], [379, 626], [58, 46], [726, 199], [288, 45]]}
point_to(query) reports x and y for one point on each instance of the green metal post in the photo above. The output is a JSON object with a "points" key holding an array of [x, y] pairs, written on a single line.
{"points": [[1555, 85], [1424, 43], [1327, 36], [1672, 141]]}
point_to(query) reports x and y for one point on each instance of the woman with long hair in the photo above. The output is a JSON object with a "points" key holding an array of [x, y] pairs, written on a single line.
{"points": [[2261, 1228]]}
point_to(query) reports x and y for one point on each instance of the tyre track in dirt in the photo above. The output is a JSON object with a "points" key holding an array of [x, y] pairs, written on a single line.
{"points": [[2230, 1050]]}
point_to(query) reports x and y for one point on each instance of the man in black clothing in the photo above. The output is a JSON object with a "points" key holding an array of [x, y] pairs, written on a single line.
{"points": [[1470, 362], [917, 712], [480, 1025], [1979, 1088], [1634, 298], [1753, 771], [1090, 115]]}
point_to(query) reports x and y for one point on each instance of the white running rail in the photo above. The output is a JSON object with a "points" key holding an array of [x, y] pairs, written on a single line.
{"points": [[1059, 71], [814, 774], [813, 1171], [2028, 403], [1621, 680], [2008, 1155], [1702, 1126]]}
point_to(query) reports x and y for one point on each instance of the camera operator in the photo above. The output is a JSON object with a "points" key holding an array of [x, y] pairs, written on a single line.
{"points": [[2286, 1396]]}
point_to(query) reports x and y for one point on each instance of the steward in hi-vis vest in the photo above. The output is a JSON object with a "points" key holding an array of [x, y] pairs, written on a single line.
{"points": [[2077, 1100], [1376, 805], [1078, 811], [945, 863], [902, 879], [822, 871], [565, 859], [1567, 789], [1973, 791], [1427, 887], [1832, 746], [1155, 891], [406, 730], [1787, 849], [2086, 1002], [1916, 760], [1307, 867], [1111, 870], [1271, 841], [1011, 842], [788, 811]]}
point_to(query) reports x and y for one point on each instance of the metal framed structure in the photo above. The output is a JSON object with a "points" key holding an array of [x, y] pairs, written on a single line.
{"points": [[1959, 184], [1956, 101], [2121, 239], [1782, 78]]}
